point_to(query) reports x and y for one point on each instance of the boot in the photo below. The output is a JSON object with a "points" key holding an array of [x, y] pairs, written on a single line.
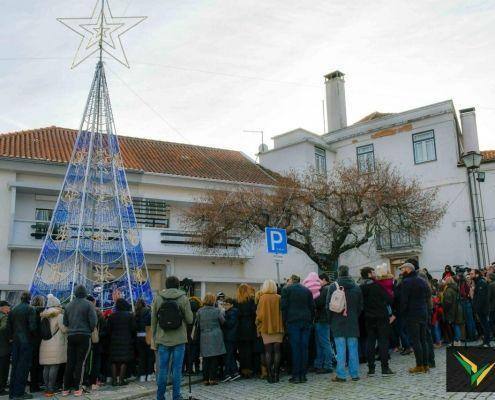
{"points": [[417, 370]]}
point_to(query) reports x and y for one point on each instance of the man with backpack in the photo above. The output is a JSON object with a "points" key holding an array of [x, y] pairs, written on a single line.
{"points": [[345, 303], [170, 314]]}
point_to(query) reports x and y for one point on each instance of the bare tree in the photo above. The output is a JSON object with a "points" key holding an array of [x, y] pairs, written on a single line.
{"points": [[324, 216]]}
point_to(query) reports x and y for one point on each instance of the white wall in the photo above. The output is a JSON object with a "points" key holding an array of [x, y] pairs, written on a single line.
{"points": [[5, 218], [450, 243]]}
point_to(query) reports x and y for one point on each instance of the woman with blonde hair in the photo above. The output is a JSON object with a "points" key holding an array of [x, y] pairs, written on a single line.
{"points": [[246, 336], [270, 326], [211, 342]]}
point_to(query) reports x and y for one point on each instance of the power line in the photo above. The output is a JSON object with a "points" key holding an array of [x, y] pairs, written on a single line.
{"points": [[174, 129]]}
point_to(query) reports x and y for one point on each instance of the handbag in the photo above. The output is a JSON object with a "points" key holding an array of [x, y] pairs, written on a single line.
{"points": [[95, 336], [195, 333]]}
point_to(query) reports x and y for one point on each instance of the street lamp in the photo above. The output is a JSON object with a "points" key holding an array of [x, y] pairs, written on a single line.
{"points": [[472, 159]]}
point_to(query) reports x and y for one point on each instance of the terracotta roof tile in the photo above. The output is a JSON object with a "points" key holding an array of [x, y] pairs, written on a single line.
{"points": [[54, 144]]}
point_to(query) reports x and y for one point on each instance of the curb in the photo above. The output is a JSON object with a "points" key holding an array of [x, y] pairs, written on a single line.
{"points": [[150, 392]]}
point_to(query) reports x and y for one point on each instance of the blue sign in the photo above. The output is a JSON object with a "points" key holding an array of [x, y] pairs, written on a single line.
{"points": [[276, 240]]}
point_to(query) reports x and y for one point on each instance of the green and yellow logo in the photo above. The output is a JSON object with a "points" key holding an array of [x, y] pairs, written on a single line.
{"points": [[476, 375]]}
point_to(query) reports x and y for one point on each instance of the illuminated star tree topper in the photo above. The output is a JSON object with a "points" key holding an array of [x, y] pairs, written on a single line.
{"points": [[101, 33]]}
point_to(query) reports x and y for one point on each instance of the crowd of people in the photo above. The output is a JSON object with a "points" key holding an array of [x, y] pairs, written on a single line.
{"points": [[316, 325]]}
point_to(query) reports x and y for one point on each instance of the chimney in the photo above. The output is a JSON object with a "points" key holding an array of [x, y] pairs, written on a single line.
{"points": [[336, 112], [469, 130]]}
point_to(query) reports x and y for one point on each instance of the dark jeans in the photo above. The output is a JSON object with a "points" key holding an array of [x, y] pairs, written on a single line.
{"points": [[230, 362], [36, 370], [485, 326], [468, 316], [404, 336], [50, 374], [22, 356], [146, 357], [417, 334], [78, 348], [299, 341], [429, 343], [210, 368], [377, 330], [4, 371]]}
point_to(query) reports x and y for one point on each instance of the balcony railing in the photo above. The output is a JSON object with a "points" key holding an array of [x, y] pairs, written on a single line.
{"points": [[393, 240], [30, 234]]}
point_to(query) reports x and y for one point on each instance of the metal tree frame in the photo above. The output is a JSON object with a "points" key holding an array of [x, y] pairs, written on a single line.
{"points": [[93, 238]]}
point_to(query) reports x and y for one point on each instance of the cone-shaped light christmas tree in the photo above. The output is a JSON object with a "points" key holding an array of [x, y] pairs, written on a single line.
{"points": [[93, 238]]}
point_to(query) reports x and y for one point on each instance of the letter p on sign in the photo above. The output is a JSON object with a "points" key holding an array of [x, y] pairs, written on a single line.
{"points": [[276, 240]]}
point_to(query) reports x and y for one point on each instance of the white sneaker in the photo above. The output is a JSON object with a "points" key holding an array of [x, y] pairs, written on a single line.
{"points": [[142, 378], [152, 378]]}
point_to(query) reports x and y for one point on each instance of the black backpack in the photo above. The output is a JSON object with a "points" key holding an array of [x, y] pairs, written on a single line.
{"points": [[169, 315], [46, 329]]}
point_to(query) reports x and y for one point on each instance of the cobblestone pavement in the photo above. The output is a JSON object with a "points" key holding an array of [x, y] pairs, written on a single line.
{"points": [[400, 386]]}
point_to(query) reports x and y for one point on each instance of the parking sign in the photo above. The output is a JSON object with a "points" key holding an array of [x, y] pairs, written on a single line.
{"points": [[276, 240]]}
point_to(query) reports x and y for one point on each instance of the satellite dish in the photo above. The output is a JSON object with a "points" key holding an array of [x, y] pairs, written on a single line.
{"points": [[262, 148]]}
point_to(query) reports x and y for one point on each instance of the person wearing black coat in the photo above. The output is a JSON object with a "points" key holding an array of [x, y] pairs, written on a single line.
{"points": [[376, 306], [122, 330], [298, 312], [481, 304], [414, 310], [246, 330], [146, 356], [36, 370], [21, 325], [230, 330]]}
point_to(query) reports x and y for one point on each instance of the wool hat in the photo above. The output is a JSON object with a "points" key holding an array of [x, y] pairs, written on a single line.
{"points": [[408, 265], [52, 301]]}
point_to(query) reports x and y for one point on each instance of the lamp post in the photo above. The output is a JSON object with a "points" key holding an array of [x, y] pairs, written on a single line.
{"points": [[472, 162]]}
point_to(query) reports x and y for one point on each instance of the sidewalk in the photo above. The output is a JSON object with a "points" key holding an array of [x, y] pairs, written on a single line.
{"points": [[134, 390]]}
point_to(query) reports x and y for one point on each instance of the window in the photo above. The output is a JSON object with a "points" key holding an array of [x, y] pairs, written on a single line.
{"points": [[320, 160], [152, 213], [424, 147], [43, 214], [366, 158]]}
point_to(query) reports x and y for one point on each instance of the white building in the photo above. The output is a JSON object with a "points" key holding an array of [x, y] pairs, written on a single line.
{"points": [[164, 179], [426, 143]]}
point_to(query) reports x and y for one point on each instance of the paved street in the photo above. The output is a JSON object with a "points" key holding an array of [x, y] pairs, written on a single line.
{"points": [[401, 386]]}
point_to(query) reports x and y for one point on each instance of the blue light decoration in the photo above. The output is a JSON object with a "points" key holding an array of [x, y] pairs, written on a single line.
{"points": [[93, 238]]}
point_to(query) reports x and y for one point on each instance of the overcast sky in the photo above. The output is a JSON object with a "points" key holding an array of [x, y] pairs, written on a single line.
{"points": [[202, 71]]}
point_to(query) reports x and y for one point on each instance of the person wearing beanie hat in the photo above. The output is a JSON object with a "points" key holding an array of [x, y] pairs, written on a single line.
{"points": [[313, 283], [53, 351], [414, 310], [80, 319]]}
